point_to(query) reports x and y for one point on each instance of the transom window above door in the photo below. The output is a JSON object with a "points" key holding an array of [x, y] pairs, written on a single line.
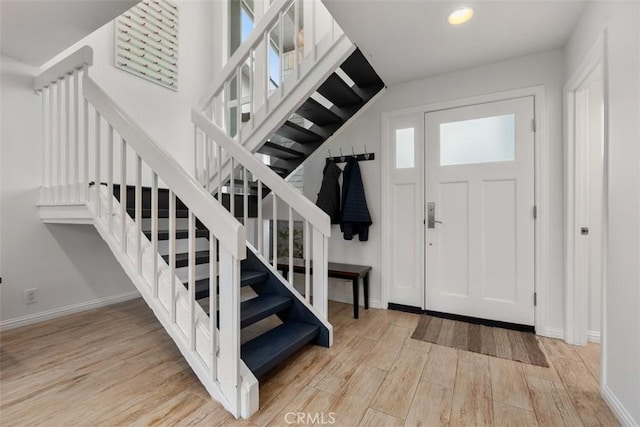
{"points": [[483, 140]]}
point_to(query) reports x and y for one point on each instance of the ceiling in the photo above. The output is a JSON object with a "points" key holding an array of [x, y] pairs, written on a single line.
{"points": [[34, 31], [407, 40]]}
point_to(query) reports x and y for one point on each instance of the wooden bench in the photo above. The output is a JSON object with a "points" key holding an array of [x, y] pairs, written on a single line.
{"points": [[337, 271]]}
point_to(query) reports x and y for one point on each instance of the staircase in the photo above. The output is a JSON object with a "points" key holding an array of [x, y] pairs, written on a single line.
{"points": [[203, 251], [298, 326], [333, 103]]}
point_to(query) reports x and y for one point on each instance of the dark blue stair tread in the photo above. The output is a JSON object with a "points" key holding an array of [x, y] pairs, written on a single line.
{"points": [[280, 151], [246, 278], [182, 260], [180, 234], [360, 71], [263, 353], [313, 111], [249, 277], [338, 92], [260, 307], [297, 133]]}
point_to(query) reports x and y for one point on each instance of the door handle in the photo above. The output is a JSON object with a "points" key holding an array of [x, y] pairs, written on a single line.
{"points": [[431, 215]]}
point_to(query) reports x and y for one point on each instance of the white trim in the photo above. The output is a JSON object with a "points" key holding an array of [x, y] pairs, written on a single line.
{"points": [[593, 336], [68, 213], [348, 299], [66, 310], [542, 162], [556, 333], [576, 292], [618, 408]]}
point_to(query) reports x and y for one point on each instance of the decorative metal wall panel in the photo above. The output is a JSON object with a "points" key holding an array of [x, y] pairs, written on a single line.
{"points": [[147, 42]]}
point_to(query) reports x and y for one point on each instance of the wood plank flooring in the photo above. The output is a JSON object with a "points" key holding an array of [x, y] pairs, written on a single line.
{"points": [[117, 366]]}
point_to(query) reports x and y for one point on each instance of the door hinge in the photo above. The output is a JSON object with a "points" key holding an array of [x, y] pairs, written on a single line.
{"points": [[535, 212], [534, 125], [535, 299]]}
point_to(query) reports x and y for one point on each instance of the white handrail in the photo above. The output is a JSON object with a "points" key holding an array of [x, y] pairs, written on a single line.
{"points": [[231, 234], [255, 38], [316, 216], [75, 61]]}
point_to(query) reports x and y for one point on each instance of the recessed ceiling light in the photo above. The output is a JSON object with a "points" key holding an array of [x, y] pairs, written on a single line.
{"points": [[460, 16]]}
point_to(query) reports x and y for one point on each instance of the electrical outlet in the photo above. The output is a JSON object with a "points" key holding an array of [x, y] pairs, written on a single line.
{"points": [[30, 296]]}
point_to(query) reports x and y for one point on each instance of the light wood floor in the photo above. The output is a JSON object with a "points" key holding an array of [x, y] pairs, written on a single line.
{"points": [[116, 366]]}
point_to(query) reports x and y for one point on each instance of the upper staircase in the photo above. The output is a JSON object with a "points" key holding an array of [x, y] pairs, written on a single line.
{"points": [[203, 251]]}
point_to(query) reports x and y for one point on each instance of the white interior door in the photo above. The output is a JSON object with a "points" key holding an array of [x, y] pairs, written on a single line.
{"points": [[480, 211]]}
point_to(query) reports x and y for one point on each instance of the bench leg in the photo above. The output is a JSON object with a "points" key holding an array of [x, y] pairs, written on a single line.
{"points": [[365, 290], [356, 298]]}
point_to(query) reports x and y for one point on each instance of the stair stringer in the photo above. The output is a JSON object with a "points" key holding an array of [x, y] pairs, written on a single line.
{"points": [[249, 396], [291, 95]]}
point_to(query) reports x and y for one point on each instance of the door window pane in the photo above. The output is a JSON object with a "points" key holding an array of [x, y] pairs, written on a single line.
{"points": [[489, 139], [404, 148]]}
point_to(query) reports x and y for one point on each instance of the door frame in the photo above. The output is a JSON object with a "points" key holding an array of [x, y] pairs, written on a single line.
{"points": [[576, 290], [541, 192]]}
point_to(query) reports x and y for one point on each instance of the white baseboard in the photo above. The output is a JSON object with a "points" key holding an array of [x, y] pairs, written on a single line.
{"points": [[69, 309], [552, 333], [593, 336], [348, 299], [620, 411]]}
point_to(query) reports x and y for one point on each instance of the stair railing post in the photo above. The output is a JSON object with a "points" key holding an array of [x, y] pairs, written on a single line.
{"points": [[229, 368]]}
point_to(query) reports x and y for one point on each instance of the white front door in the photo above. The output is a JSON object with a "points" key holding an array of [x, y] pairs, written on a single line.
{"points": [[480, 211]]}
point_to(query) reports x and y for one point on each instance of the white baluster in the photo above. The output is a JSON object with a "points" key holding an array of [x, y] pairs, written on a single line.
{"points": [[154, 232], [76, 134], [213, 296], [86, 149], [192, 280], [296, 30], [307, 263], [239, 103], [59, 140], [274, 235], [67, 138], [320, 273], [97, 165], [290, 276], [260, 223], [123, 196], [245, 196], [110, 178], [138, 210], [172, 253], [232, 186], [45, 144]]}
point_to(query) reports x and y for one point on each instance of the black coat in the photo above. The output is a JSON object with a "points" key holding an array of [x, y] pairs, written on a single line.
{"points": [[329, 195], [355, 213]]}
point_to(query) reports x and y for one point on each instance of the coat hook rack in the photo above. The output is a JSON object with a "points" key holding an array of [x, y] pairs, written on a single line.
{"points": [[359, 157]]}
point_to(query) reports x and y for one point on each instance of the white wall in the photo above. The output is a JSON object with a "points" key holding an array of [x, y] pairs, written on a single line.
{"points": [[621, 327], [70, 264], [164, 114], [543, 69], [595, 178]]}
